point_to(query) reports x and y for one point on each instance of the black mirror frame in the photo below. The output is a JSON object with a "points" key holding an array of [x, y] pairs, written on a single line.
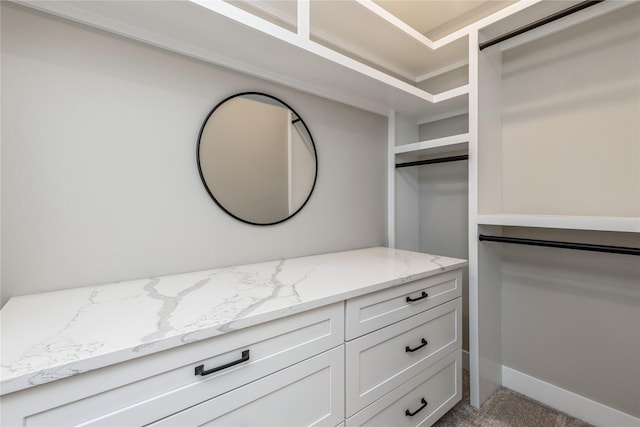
{"points": [[204, 182]]}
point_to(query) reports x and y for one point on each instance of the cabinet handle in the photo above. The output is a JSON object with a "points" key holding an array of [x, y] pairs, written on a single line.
{"points": [[200, 369], [411, 350], [408, 413], [422, 296]]}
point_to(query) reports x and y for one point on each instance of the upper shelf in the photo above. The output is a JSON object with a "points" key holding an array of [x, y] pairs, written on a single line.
{"points": [[439, 20], [374, 36], [593, 223], [433, 147], [286, 52], [411, 40]]}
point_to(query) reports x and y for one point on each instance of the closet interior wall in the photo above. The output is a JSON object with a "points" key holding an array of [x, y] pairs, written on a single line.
{"points": [[570, 121], [444, 204], [558, 137], [572, 318], [432, 199]]}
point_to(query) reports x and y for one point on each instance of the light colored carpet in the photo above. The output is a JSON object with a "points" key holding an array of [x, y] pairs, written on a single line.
{"points": [[505, 408]]}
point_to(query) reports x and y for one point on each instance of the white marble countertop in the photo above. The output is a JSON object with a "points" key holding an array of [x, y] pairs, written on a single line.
{"points": [[53, 335]]}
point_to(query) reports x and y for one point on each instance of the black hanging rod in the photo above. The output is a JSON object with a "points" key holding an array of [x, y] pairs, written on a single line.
{"points": [[553, 17], [432, 161], [565, 245]]}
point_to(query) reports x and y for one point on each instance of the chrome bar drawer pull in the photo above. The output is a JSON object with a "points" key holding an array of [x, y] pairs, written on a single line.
{"points": [[200, 369]]}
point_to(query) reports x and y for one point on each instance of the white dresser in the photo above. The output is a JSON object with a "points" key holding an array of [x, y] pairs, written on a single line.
{"points": [[365, 337]]}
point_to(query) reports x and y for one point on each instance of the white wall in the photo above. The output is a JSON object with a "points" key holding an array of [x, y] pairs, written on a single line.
{"points": [[570, 110], [444, 225], [571, 146], [99, 177], [572, 318], [444, 205]]}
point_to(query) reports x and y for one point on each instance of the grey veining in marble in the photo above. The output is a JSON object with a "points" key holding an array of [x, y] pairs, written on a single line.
{"points": [[58, 334]]}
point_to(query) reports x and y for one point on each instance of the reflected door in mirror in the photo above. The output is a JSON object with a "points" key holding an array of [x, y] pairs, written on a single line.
{"points": [[257, 159]]}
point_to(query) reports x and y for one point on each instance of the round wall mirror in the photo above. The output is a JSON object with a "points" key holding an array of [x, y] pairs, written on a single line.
{"points": [[257, 158]]}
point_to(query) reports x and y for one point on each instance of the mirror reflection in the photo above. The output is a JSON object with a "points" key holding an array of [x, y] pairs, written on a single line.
{"points": [[257, 158]]}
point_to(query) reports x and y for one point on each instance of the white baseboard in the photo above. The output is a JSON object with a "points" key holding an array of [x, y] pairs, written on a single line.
{"points": [[566, 401], [465, 360]]}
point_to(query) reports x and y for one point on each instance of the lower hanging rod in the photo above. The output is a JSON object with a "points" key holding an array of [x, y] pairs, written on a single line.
{"points": [[565, 245], [432, 161]]}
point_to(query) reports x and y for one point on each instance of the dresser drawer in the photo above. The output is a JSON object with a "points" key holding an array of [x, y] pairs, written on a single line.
{"points": [[420, 401], [306, 394], [377, 310], [172, 382], [381, 361]]}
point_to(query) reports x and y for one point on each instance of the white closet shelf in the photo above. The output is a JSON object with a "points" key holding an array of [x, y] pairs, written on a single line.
{"points": [[349, 26], [454, 143], [394, 47], [592, 223], [220, 33]]}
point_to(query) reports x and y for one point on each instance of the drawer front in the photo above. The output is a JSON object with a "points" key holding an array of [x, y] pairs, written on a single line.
{"points": [[379, 309], [381, 361], [419, 402], [309, 393], [271, 346]]}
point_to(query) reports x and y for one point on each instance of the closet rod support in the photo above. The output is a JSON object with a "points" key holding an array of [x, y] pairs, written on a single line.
{"points": [[432, 161], [539, 23], [564, 245]]}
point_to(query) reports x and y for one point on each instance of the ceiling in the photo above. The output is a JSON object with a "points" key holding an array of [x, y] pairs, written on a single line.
{"points": [[348, 27], [437, 18], [433, 18]]}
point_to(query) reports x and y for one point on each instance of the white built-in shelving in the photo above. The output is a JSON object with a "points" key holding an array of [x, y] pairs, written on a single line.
{"points": [[554, 155], [318, 47], [394, 45], [533, 173], [368, 55], [432, 147], [591, 223]]}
